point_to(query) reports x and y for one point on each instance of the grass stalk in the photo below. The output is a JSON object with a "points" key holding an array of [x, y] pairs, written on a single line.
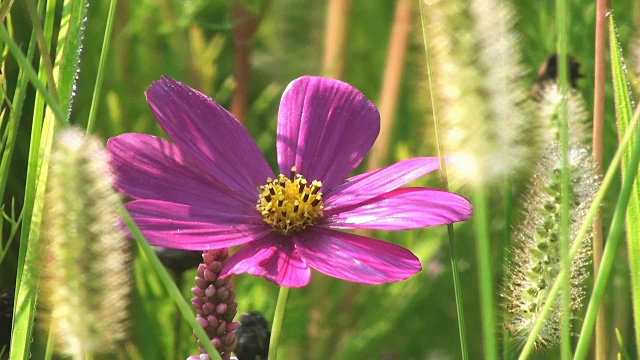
{"points": [[444, 182], [31, 73], [562, 24], [245, 26], [391, 80], [95, 100], [11, 131], [483, 253], [335, 36], [167, 281], [43, 47], [506, 256], [616, 233], [597, 146]]}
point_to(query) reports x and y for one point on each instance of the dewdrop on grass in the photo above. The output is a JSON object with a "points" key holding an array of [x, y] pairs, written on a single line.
{"points": [[86, 270]]}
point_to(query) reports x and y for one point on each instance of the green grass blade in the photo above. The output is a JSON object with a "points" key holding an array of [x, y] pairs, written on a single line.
{"points": [[11, 131], [69, 49], [26, 286], [65, 69], [38, 83], [185, 309], [103, 59], [616, 232], [623, 104], [462, 331], [14, 225], [623, 350]]}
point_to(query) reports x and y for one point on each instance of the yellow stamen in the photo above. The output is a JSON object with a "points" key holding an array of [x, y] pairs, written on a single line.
{"points": [[288, 204]]}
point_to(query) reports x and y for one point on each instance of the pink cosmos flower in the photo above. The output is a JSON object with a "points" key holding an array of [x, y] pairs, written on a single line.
{"points": [[212, 187]]}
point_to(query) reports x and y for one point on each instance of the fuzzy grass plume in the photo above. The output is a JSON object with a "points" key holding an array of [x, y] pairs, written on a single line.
{"points": [[536, 260], [548, 108], [87, 266], [478, 80]]}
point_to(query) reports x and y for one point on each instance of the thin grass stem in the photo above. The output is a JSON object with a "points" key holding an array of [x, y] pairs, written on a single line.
{"points": [[506, 255], [483, 253], [168, 283], [95, 100], [31, 73], [562, 23], [44, 49], [597, 145], [609, 255], [444, 181]]}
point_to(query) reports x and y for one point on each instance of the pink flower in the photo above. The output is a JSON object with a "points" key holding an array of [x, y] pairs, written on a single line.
{"points": [[212, 188]]}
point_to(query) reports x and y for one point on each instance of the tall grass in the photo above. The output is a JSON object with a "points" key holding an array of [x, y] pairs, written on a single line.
{"points": [[88, 63]]}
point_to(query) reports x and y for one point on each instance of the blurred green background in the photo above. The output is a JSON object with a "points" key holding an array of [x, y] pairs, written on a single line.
{"points": [[268, 44]]}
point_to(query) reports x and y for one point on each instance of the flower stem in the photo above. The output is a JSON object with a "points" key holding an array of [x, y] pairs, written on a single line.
{"points": [[277, 322], [481, 223]]}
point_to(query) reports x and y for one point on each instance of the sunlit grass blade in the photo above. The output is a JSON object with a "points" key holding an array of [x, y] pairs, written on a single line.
{"points": [[462, 331], [624, 107], [26, 281], [69, 49], [65, 71], [103, 59], [616, 232], [623, 349]]}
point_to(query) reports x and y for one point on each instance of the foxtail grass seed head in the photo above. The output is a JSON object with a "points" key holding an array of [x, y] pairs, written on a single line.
{"points": [[87, 278], [479, 90], [536, 258], [548, 110], [215, 303]]}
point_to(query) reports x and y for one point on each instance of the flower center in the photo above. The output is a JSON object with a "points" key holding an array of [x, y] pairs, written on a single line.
{"points": [[288, 204]]}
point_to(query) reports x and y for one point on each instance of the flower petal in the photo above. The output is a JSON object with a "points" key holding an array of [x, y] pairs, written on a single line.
{"points": [[374, 183], [186, 227], [273, 257], [325, 128], [148, 167], [355, 258], [402, 209], [210, 136]]}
